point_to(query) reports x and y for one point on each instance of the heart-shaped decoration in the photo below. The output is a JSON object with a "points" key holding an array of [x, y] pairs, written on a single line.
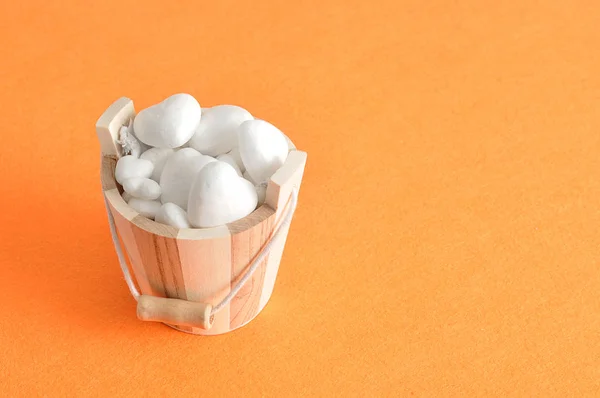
{"points": [[230, 161], [261, 189], [219, 196], [129, 167], [235, 154], [263, 149], [216, 133], [158, 157], [168, 124], [146, 208], [171, 214], [178, 175], [142, 188], [248, 177]]}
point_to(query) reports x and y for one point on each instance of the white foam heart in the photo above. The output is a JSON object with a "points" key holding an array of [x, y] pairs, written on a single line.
{"points": [[263, 149], [171, 214], [248, 177], [235, 154], [219, 196], [230, 161], [261, 189], [146, 208], [129, 167], [142, 188], [216, 132], [158, 157], [178, 175], [287, 139], [170, 123]]}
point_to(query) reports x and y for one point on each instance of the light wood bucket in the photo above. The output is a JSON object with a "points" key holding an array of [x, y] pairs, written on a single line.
{"points": [[199, 265]]}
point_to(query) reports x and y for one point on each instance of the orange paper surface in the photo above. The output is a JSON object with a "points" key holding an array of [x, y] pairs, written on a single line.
{"points": [[446, 241]]}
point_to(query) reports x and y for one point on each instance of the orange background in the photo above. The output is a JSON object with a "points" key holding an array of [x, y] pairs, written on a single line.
{"points": [[447, 239]]}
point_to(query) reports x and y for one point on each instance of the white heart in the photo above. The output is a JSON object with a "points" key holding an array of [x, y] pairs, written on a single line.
{"points": [[261, 189], [248, 177], [178, 175], [235, 154], [171, 214], [216, 133], [263, 149], [230, 161], [129, 166], [287, 139], [219, 196], [170, 123], [158, 157], [142, 188], [146, 208]]}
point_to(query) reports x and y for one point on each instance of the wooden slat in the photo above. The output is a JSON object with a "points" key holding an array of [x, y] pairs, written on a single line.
{"points": [[272, 268], [107, 172], [120, 211], [206, 268], [280, 187], [288, 177], [160, 257], [248, 237]]}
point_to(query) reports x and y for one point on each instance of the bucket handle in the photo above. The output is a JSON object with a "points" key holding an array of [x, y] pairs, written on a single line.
{"points": [[189, 313]]}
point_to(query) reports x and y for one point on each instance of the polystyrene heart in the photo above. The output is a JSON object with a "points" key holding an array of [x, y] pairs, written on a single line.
{"points": [[235, 154], [142, 188], [171, 214], [146, 208], [216, 133], [178, 175], [261, 189], [129, 167], [230, 161], [170, 123], [248, 177], [158, 157], [263, 149], [219, 196]]}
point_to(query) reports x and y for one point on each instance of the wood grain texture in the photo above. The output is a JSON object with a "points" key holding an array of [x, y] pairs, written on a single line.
{"points": [[107, 172], [123, 214], [109, 123], [247, 238], [287, 178], [281, 184], [206, 268], [160, 256]]}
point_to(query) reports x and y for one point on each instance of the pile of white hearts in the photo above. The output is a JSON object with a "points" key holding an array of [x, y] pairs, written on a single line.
{"points": [[196, 168]]}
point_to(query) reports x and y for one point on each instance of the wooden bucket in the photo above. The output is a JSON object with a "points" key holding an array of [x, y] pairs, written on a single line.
{"points": [[199, 265]]}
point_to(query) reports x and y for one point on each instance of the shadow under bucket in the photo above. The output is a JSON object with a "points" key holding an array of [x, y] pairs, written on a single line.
{"points": [[203, 281]]}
